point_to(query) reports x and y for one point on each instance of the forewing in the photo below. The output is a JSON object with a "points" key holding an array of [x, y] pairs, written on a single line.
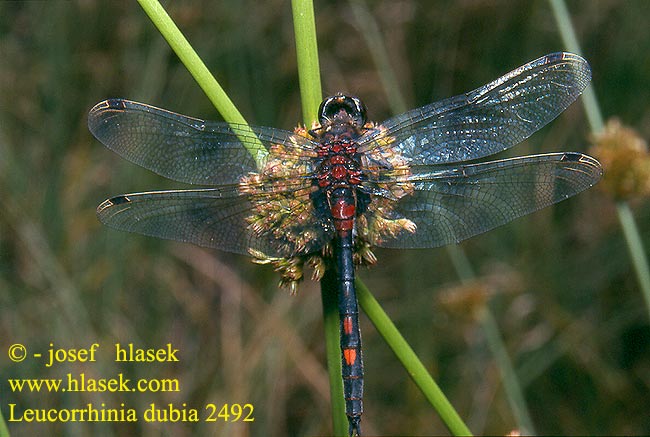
{"points": [[451, 204], [216, 218], [489, 119], [188, 149]]}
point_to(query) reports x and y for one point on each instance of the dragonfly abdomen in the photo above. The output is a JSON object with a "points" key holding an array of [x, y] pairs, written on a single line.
{"points": [[350, 341], [338, 177]]}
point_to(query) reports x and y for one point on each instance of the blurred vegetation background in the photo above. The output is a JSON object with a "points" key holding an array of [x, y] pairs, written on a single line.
{"points": [[559, 283]]}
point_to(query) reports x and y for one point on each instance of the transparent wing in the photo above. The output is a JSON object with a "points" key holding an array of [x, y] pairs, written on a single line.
{"points": [[216, 218], [489, 119], [188, 149], [450, 204]]}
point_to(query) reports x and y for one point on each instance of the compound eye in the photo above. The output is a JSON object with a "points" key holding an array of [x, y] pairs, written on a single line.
{"points": [[325, 110], [361, 112]]}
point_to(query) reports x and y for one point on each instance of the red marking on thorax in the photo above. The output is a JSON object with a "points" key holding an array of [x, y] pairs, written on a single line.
{"points": [[339, 169], [339, 172]]}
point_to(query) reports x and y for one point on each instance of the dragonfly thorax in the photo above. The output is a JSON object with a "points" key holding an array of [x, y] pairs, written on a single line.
{"points": [[342, 122], [338, 175], [338, 168], [339, 165]]}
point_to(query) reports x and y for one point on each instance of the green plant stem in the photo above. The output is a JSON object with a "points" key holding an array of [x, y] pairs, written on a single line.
{"points": [[328, 293], [202, 75], [594, 115], [410, 361], [310, 95], [304, 27]]}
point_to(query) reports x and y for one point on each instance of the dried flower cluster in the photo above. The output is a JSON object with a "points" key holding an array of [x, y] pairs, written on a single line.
{"points": [[625, 160], [284, 213], [378, 223], [469, 298]]}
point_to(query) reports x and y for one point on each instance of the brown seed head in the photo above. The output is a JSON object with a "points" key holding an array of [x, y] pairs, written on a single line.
{"points": [[625, 160]]}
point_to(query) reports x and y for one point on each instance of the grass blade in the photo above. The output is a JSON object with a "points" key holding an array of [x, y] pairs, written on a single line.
{"points": [[200, 72], [410, 361]]}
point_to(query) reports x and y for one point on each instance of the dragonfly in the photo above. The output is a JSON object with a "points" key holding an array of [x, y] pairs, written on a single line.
{"points": [[326, 195]]}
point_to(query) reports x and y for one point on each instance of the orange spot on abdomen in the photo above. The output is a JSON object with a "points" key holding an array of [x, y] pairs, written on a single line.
{"points": [[347, 325], [350, 356]]}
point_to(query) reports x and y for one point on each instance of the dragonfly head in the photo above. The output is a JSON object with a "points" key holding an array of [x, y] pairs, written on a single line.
{"points": [[342, 108]]}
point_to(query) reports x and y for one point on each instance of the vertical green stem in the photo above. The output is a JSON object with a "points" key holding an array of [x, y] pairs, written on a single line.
{"points": [[307, 56], [625, 217], [310, 92], [329, 291]]}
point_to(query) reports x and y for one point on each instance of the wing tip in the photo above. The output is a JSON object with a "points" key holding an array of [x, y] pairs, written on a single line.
{"points": [[583, 159], [98, 113], [578, 66], [109, 105]]}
